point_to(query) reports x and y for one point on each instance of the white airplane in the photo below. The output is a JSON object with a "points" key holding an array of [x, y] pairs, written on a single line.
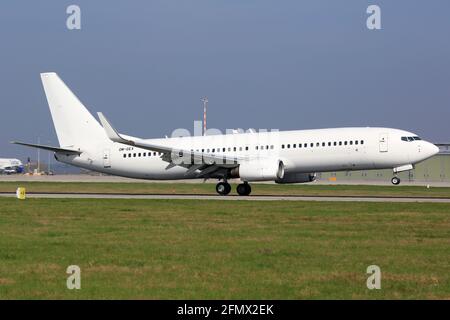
{"points": [[10, 166], [282, 156]]}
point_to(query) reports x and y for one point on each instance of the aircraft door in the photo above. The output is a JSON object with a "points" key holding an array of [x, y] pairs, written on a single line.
{"points": [[106, 158], [383, 141]]}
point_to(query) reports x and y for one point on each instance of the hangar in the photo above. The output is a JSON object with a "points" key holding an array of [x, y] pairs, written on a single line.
{"points": [[435, 169]]}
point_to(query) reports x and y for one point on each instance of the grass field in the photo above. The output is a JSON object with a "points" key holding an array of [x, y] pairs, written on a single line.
{"points": [[222, 249], [209, 188]]}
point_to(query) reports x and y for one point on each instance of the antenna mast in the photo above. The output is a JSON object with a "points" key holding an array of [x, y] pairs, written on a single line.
{"points": [[205, 106]]}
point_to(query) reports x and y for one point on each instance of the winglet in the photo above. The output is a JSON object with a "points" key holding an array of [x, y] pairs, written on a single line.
{"points": [[112, 134]]}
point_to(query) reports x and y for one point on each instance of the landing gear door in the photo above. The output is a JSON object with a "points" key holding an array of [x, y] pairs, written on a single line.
{"points": [[106, 158], [383, 141]]}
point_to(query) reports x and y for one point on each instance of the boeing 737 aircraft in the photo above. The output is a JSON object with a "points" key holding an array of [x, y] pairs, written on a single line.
{"points": [[9, 166], [282, 156]]}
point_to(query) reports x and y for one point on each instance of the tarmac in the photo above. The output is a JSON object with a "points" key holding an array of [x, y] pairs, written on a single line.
{"points": [[107, 178], [228, 198]]}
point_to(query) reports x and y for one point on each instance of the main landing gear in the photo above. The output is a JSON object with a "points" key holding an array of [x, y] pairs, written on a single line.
{"points": [[244, 189], [223, 188], [395, 180]]}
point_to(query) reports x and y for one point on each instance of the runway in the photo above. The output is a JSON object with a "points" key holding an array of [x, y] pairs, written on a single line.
{"points": [[229, 197], [106, 178]]}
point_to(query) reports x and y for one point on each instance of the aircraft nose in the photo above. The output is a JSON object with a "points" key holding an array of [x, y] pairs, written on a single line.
{"points": [[431, 149]]}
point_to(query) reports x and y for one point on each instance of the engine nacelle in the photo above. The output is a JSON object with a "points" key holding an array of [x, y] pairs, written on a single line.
{"points": [[297, 178], [259, 170]]}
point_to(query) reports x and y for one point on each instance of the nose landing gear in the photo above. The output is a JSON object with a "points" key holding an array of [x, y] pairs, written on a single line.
{"points": [[395, 181], [223, 188]]}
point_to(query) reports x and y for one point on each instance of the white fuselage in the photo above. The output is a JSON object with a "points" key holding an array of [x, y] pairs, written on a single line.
{"points": [[338, 149]]}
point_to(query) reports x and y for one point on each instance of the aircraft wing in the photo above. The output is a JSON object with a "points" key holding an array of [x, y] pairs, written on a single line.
{"points": [[206, 163], [197, 158]]}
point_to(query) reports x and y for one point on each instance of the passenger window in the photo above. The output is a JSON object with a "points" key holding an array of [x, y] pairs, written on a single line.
{"points": [[134, 155], [305, 145], [289, 146], [323, 144], [335, 143], [240, 148], [234, 148], [124, 155], [317, 144], [223, 149], [312, 144], [213, 150], [246, 148], [282, 146], [362, 141], [294, 146], [299, 145], [154, 153], [345, 143], [340, 143], [356, 141], [271, 147], [351, 142]]}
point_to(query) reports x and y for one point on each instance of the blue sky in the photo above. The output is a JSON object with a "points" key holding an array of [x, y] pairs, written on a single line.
{"points": [[262, 64]]}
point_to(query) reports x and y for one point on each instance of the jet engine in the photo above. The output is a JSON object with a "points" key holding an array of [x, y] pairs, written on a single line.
{"points": [[259, 170], [291, 177]]}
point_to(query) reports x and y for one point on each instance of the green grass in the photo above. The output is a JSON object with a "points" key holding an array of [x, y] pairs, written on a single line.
{"points": [[187, 249], [209, 188]]}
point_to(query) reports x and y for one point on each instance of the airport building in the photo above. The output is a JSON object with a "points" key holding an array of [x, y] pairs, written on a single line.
{"points": [[435, 169]]}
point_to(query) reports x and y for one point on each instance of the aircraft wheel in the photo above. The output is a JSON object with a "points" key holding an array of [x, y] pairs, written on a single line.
{"points": [[223, 188], [244, 189], [395, 180]]}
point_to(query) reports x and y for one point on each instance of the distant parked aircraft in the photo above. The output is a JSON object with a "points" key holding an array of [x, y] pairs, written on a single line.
{"points": [[283, 157], [10, 166]]}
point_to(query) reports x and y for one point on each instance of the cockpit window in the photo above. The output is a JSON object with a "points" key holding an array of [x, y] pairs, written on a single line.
{"points": [[409, 139]]}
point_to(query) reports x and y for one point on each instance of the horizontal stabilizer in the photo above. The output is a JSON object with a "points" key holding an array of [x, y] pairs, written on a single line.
{"points": [[49, 148]]}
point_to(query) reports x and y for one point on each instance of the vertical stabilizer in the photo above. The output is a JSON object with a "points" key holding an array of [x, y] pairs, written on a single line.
{"points": [[74, 125]]}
